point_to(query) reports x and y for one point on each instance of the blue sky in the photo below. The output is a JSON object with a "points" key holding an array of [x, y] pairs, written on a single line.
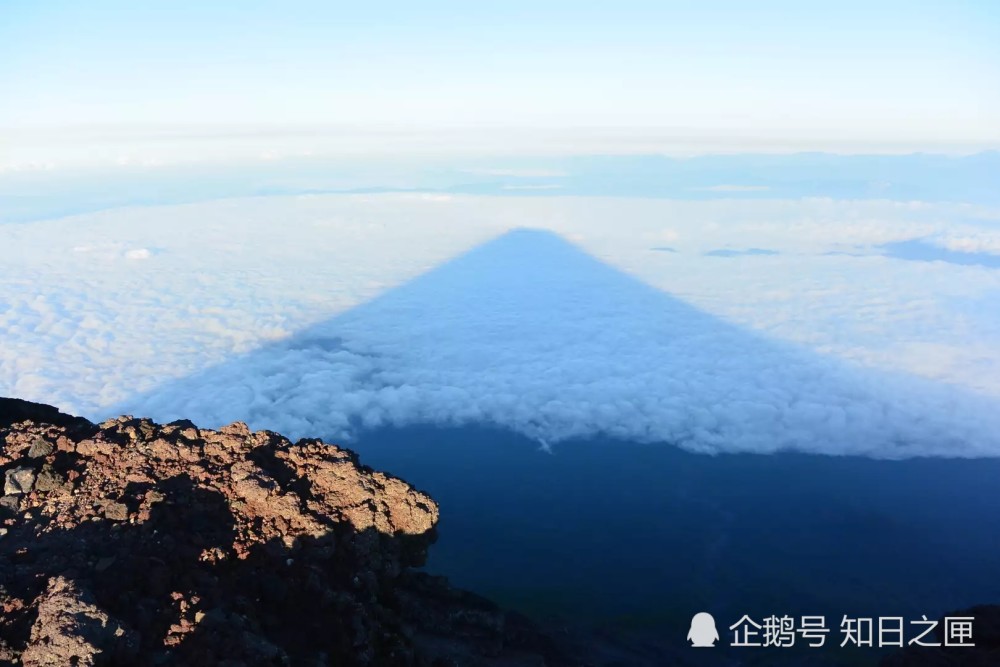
{"points": [[913, 71]]}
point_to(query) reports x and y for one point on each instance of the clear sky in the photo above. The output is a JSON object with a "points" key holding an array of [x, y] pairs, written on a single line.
{"points": [[885, 70]]}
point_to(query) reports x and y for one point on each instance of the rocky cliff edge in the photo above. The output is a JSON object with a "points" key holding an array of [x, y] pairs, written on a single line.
{"points": [[134, 543]]}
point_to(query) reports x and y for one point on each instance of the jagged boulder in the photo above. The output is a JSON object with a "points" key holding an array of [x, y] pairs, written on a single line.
{"points": [[71, 630]]}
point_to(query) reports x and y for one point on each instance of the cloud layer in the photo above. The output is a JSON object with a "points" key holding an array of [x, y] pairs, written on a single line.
{"points": [[322, 315]]}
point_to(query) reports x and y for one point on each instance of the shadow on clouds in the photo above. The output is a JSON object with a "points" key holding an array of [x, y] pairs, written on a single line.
{"points": [[918, 250], [529, 333]]}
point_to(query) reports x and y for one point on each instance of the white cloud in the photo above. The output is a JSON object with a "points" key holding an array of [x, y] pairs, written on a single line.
{"points": [[825, 353], [138, 253], [986, 241]]}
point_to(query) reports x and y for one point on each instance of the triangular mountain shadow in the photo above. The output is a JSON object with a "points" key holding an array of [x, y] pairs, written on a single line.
{"points": [[530, 333]]}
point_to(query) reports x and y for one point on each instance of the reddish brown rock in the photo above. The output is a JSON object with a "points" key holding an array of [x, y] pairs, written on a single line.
{"points": [[144, 544], [71, 630]]}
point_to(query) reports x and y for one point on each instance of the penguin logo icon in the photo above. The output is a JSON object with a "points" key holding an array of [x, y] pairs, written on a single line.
{"points": [[703, 633]]}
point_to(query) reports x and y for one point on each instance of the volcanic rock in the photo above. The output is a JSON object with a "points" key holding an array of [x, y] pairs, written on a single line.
{"points": [[134, 543], [17, 481]]}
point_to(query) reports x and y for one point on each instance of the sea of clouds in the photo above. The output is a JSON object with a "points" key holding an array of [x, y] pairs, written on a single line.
{"points": [[719, 325]]}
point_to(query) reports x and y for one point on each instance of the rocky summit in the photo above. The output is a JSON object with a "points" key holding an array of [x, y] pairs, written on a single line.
{"points": [[134, 543]]}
